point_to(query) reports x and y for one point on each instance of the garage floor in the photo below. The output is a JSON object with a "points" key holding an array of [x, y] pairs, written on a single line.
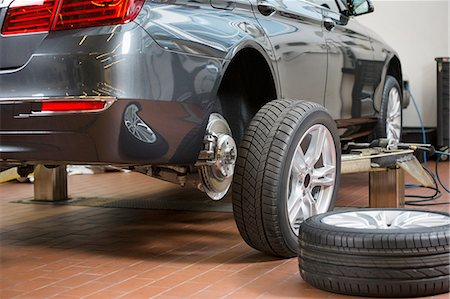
{"points": [[79, 251]]}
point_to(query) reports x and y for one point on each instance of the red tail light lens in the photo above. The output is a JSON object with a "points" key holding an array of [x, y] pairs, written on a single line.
{"points": [[66, 106], [25, 16], [79, 13]]}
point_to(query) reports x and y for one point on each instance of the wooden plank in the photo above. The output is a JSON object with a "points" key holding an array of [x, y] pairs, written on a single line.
{"points": [[355, 166], [387, 188]]}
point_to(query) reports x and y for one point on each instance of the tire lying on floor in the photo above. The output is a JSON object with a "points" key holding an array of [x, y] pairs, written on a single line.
{"points": [[376, 252], [287, 170]]}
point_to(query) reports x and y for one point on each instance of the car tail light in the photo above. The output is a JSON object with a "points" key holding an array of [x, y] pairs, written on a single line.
{"points": [[69, 106], [24, 16], [79, 13]]}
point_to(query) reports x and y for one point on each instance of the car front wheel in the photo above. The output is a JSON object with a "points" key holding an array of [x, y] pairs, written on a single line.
{"points": [[390, 119]]}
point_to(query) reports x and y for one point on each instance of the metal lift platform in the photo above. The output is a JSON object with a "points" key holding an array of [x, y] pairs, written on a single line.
{"points": [[386, 176]]}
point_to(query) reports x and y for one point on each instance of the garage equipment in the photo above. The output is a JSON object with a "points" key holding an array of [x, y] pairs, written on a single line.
{"points": [[50, 184], [385, 167], [386, 173], [443, 103]]}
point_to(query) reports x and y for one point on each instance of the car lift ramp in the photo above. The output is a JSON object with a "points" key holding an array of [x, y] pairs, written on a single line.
{"points": [[386, 177], [385, 168]]}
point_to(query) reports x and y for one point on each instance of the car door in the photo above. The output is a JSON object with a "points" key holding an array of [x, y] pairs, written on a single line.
{"points": [[294, 28], [352, 74]]}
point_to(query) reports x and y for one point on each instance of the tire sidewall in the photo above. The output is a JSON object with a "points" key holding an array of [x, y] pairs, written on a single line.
{"points": [[316, 116]]}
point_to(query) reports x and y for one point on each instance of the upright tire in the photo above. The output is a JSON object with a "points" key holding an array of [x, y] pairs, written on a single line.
{"points": [[287, 170], [377, 252], [390, 118]]}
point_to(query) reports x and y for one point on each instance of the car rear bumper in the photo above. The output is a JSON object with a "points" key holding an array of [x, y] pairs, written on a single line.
{"points": [[171, 93], [170, 132]]}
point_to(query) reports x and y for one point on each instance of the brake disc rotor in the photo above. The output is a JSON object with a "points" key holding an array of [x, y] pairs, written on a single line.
{"points": [[217, 176]]}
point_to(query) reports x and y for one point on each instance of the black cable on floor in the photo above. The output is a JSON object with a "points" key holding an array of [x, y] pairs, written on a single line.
{"points": [[424, 200], [437, 172]]}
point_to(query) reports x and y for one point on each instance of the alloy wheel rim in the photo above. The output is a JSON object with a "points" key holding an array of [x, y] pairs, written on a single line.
{"points": [[388, 219], [393, 115], [312, 175]]}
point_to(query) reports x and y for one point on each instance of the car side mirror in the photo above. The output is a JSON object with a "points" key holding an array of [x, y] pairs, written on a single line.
{"points": [[360, 7]]}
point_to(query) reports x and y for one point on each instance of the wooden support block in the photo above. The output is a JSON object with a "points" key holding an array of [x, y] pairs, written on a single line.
{"points": [[350, 164], [387, 188], [50, 184]]}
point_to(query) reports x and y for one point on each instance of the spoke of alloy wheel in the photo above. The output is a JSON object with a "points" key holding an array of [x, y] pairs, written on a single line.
{"points": [[374, 221], [295, 199], [309, 207], [298, 164], [364, 222], [348, 221], [394, 96], [134, 119], [316, 145], [393, 134], [395, 125], [394, 116], [295, 210], [323, 176], [406, 218]]}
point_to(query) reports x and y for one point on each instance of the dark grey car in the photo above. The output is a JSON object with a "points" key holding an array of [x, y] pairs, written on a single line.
{"points": [[186, 91]]}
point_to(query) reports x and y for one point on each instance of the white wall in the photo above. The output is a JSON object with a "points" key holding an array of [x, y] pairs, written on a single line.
{"points": [[419, 31]]}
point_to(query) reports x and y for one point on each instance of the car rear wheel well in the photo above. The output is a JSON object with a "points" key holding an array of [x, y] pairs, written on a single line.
{"points": [[247, 85]]}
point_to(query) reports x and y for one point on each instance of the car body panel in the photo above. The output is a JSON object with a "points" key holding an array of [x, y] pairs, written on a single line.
{"points": [[383, 52], [103, 137], [353, 74], [296, 35], [167, 66], [127, 65], [16, 50], [216, 29], [198, 28]]}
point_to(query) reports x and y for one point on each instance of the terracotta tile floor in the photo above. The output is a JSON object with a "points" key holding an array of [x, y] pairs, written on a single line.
{"points": [[64, 251]]}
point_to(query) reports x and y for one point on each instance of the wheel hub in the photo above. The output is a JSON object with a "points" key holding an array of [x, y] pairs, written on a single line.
{"points": [[225, 155], [217, 171], [307, 180]]}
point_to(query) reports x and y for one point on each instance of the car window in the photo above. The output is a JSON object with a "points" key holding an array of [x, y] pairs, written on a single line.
{"points": [[330, 4]]}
